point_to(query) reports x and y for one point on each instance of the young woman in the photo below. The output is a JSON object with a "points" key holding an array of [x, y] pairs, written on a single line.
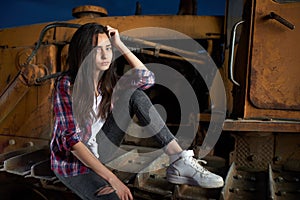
{"points": [[87, 117]]}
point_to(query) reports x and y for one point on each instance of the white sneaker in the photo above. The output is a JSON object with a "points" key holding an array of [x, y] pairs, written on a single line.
{"points": [[184, 169]]}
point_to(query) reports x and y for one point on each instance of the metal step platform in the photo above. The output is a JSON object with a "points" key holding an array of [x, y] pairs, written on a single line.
{"points": [[145, 176]]}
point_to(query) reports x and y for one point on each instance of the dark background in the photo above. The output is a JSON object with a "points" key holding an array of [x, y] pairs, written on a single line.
{"points": [[23, 12]]}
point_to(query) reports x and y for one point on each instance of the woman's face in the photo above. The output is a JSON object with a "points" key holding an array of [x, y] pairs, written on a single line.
{"points": [[104, 52]]}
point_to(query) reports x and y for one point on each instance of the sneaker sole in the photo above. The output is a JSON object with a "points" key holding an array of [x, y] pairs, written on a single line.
{"points": [[189, 181]]}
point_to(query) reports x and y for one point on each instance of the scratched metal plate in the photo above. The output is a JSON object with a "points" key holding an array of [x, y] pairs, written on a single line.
{"points": [[275, 59]]}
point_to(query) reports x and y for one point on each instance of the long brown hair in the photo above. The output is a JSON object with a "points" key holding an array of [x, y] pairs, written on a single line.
{"points": [[81, 61]]}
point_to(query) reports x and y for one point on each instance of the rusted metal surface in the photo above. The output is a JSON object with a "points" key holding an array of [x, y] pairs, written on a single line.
{"points": [[149, 182], [11, 154], [186, 192], [41, 170], [21, 164], [284, 184], [287, 151], [148, 185], [253, 151], [89, 11], [262, 125], [147, 179], [267, 63], [135, 161], [240, 184], [152, 179], [14, 143], [12, 96], [25, 104], [275, 61], [255, 125], [144, 173], [18, 88]]}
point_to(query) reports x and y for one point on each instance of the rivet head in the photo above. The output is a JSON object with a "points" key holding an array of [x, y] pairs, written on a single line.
{"points": [[11, 142]]}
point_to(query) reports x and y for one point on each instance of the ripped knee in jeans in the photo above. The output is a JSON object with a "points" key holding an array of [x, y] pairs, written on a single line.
{"points": [[107, 189]]}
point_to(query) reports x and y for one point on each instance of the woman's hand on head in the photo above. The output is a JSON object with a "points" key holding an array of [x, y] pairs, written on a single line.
{"points": [[133, 61], [114, 36]]}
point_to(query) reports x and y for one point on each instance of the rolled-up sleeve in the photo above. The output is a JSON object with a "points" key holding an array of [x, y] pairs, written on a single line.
{"points": [[145, 78], [136, 78], [67, 133]]}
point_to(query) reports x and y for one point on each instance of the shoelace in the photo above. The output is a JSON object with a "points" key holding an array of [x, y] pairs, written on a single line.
{"points": [[195, 164]]}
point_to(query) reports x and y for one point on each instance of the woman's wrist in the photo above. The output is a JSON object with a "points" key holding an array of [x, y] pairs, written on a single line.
{"points": [[123, 48], [112, 179]]}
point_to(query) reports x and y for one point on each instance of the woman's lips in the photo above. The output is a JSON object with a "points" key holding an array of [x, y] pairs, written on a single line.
{"points": [[105, 63]]}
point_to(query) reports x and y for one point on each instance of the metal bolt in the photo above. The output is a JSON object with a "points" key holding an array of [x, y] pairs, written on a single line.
{"points": [[238, 176], [252, 157], [281, 193], [277, 158], [11, 142], [154, 176], [234, 190], [250, 190], [279, 179], [29, 144]]}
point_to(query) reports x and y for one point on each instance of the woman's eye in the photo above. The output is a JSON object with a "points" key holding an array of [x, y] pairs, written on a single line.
{"points": [[99, 49]]}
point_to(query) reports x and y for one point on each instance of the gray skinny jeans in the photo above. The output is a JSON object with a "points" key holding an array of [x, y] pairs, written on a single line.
{"points": [[110, 138]]}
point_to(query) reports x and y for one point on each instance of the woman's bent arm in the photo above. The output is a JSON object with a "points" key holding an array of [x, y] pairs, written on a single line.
{"points": [[129, 56]]}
